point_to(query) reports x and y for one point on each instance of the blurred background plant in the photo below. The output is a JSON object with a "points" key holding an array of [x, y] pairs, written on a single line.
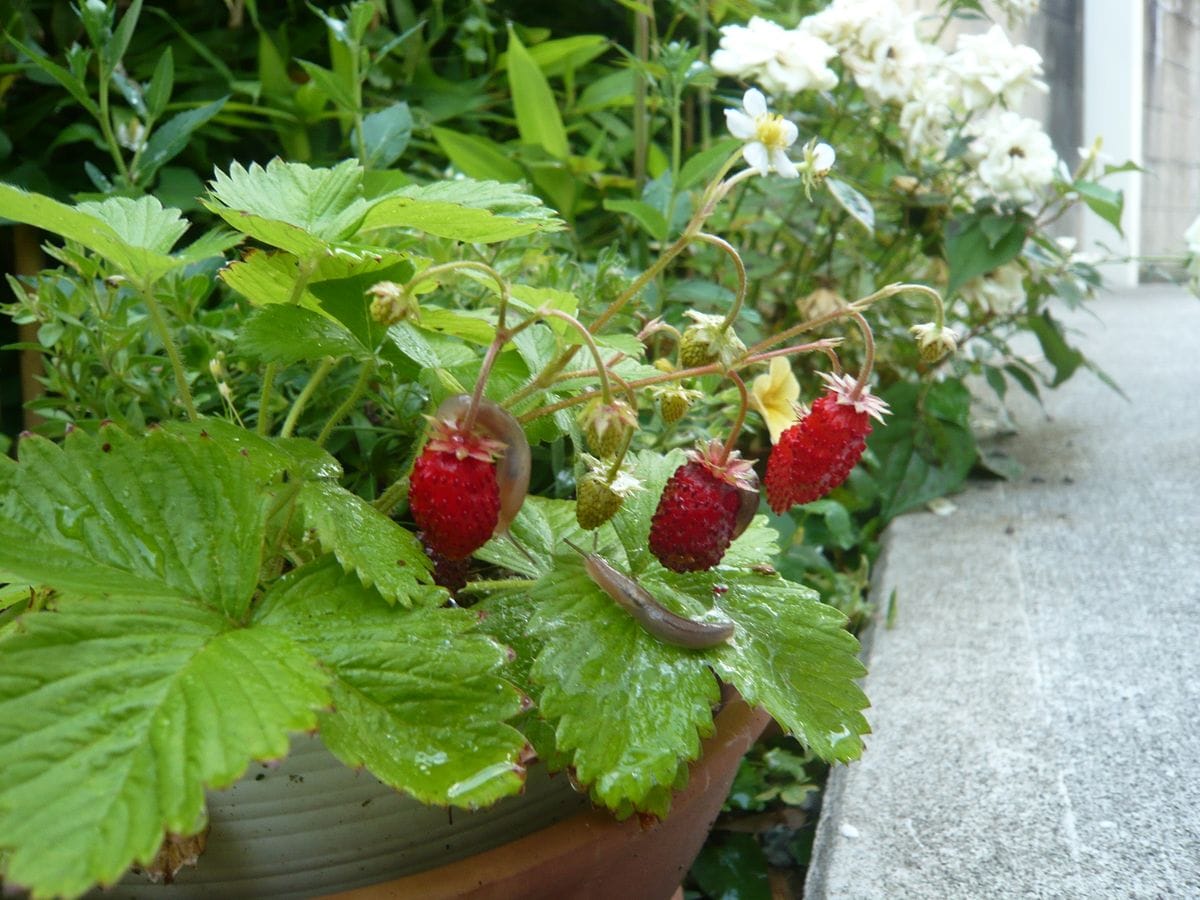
{"points": [[614, 117]]}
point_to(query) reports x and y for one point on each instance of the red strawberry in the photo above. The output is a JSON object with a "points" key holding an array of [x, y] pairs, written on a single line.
{"points": [[453, 492], [702, 509], [816, 454]]}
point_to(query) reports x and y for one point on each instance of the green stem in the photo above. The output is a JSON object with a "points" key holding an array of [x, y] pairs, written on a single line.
{"points": [[869, 357], [107, 129], [393, 496], [740, 266], [360, 387], [735, 431], [712, 195], [679, 375], [444, 268], [601, 369], [164, 334], [304, 270], [314, 381]]}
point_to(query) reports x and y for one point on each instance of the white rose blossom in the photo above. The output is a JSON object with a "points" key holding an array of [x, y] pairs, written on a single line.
{"points": [[1016, 12], [878, 44], [1014, 159], [767, 135], [1002, 290], [990, 69], [783, 61]]}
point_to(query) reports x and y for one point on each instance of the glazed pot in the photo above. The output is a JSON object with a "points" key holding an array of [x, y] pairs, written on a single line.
{"points": [[311, 826]]}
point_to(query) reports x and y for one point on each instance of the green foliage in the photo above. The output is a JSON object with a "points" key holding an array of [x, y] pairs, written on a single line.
{"points": [[628, 708], [89, 517], [417, 697], [91, 782]]}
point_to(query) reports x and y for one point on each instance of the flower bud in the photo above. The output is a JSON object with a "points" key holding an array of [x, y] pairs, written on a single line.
{"points": [[606, 425], [392, 303], [934, 342]]}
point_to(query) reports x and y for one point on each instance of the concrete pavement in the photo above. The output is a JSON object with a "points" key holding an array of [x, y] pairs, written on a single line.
{"points": [[1034, 708]]}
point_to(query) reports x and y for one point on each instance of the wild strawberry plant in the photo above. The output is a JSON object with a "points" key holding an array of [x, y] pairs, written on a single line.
{"points": [[377, 457], [199, 590]]}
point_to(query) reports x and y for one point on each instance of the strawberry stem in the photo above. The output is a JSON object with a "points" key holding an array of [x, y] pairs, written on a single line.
{"points": [[601, 369], [489, 359], [735, 431], [868, 357], [444, 268], [712, 195], [356, 392], [823, 345], [740, 266]]}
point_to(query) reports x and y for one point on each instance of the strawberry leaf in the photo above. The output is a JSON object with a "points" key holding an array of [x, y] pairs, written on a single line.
{"points": [[162, 516], [291, 205], [476, 211], [264, 278], [629, 708], [368, 543], [136, 236], [116, 716], [417, 694]]}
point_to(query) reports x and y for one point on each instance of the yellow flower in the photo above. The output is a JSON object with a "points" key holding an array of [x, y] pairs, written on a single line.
{"points": [[775, 396]]}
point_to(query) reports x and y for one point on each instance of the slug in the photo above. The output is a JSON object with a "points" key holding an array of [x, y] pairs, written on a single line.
{"points": [[512, 468], [748, 506], [658, 621]]}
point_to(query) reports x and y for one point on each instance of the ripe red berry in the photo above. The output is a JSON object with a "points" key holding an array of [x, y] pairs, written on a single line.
{"points": [[816, 454], [702, 509], [453, 492]]}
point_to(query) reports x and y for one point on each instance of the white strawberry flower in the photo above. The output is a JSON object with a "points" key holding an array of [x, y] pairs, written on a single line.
{"points": [[767, 135]]}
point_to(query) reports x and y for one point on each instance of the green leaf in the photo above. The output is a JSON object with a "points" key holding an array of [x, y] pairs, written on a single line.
{"points": [[792, 655], [116, 716], [1065, 358], [477, 157], [386, 134], [1105, 202], [538, 118], [141, 223], [285, 334], [853, 202], [417, 694], [162, 82], [653, 222], [562, 55], [472, 211], [265, 457], [134, 235], [975, 245], [368, 543], [264, 278], [925, 449], [733, 867], [113, 52], [330, 84], [160, 516], [73, 85], [704, 164], [168, 140], [629, 708], [323, 205]]}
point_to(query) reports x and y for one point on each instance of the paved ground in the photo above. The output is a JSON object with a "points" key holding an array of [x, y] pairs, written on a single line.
{"points": [[1035, 705]]}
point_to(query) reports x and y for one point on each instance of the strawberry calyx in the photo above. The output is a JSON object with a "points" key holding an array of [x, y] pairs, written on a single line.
{"points": [[448, 436], [729, 468], [844, 389]]}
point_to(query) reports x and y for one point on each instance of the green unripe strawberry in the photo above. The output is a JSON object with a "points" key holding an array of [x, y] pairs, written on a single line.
{"points": [[694, 349], [607, 425], [595, 501]]}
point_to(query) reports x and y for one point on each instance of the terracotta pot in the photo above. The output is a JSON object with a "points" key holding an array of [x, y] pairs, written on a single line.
{"points": [[310, 826], [591, 855]]}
